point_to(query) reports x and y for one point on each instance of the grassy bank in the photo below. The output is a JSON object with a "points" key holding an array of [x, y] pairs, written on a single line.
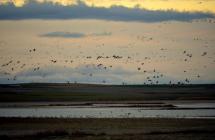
{"points": [[116, 129], [84, 92]]}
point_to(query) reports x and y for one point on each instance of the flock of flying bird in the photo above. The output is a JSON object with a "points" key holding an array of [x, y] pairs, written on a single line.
{"points": [[154, 78]]}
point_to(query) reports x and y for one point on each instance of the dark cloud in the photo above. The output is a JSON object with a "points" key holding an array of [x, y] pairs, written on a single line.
{"points": [[83, 74], [64, 35], [72, 35], [35, 10], [59, 74], [101, 34]]}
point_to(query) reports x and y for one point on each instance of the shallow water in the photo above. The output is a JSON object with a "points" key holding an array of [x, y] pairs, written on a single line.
{"points": [[105, 112], [195, 105]]}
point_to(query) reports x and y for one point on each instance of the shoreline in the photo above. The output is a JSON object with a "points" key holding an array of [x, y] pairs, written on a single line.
{"points": [[168, 104]]}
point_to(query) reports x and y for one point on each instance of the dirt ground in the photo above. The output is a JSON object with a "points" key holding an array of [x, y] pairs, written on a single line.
{"points": [[107, 129]]}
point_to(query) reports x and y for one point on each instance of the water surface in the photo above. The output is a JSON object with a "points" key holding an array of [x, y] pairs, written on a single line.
{"points": [[105, 112]]}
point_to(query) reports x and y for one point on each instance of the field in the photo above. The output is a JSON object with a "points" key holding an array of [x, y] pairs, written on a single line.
{"points": [[84, 92], [106, 129]]}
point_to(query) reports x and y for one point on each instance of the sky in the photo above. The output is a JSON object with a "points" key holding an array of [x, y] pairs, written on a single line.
{"points": [[107, 41]]}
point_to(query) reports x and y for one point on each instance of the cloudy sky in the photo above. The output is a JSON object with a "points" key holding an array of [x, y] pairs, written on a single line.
{"points": [[107, 41]]}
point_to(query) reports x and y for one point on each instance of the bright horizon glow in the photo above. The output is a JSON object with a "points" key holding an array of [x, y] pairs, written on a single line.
{"points": [[177, 5]]}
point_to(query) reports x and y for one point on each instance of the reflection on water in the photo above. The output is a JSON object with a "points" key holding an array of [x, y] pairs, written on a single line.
{"points": [[105, 112], [195, 105]]}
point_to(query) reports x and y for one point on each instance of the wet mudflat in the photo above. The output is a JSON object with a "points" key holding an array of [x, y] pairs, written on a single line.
{"points": [[116, 129], [191, 109]]}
